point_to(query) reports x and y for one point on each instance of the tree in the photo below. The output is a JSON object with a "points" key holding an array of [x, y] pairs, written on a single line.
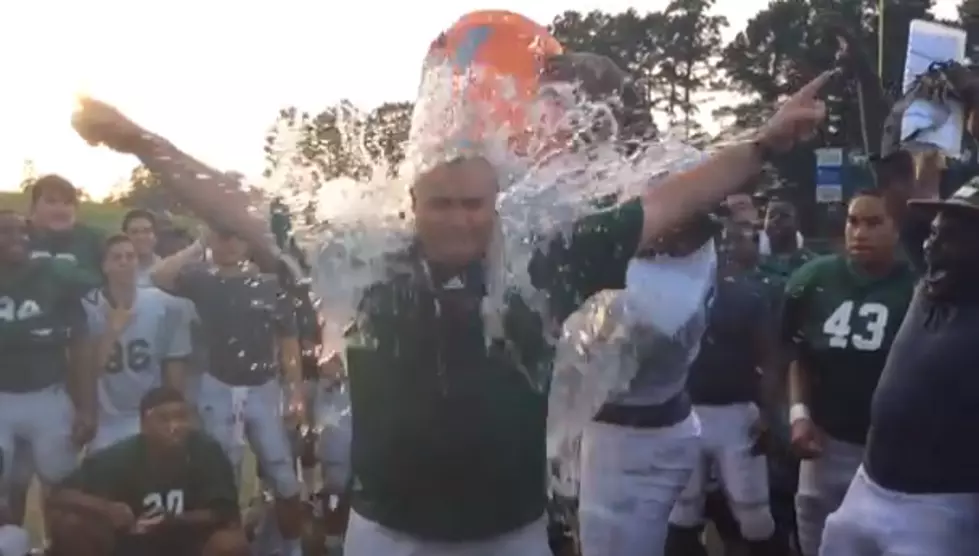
{"points": [[144, 190], [691, 49], [787, 44], [634, 42]]}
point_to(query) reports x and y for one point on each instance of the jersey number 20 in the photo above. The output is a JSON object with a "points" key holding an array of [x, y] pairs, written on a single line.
{"points": [[873, 320], [156, 504]]}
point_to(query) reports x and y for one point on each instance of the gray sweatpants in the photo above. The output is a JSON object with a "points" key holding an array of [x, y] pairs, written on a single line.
{"points": [[822, 485], [874, 521]]}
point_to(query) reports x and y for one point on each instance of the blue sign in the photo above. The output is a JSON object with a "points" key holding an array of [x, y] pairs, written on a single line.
{"points": [[829, 175]]}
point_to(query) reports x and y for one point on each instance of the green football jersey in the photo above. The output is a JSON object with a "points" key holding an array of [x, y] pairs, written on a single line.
{"points": [[841, 323], [125, 472], [776, 268], [40, 312], [80, 246]]}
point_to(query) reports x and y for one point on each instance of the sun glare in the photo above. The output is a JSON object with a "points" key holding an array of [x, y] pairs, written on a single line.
{"points": [[52, 62]]}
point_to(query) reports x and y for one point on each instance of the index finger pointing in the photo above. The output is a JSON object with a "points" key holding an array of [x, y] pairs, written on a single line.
{"points": [[810, 89]]}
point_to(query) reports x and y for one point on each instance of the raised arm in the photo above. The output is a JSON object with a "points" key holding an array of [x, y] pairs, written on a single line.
{"points": [[685, 194], [212, 195]]}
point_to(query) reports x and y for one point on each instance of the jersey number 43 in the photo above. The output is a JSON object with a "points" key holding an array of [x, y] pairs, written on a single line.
{"points": [[865, 332]]}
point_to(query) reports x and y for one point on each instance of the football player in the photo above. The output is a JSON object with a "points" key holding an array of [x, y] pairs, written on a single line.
{"points": [[725, 387], [144, 341], [54, 227], [168, 490], [140, 226], [45, 359], [840, 316], [54, 232], [250, 326], [779, 244]]}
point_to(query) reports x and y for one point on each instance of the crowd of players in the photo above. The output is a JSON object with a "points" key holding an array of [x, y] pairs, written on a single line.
{"points": [[105, 346], [826, 407]]}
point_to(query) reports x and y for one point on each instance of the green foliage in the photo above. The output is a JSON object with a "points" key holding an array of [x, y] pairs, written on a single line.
{"points": [[145, 190], [671, 52]]}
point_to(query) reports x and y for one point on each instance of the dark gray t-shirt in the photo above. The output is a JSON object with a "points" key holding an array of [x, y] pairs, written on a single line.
{"points": [[725, 371], [241, 316]]}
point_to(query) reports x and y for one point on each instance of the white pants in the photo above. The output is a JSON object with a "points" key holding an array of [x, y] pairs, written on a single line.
{"points": [[874, 521], [333, 450], [42, 421], [727, 440], [112, 428], [253, 414], [630, 480], [367, 538], [14, 541], [822, 485]]}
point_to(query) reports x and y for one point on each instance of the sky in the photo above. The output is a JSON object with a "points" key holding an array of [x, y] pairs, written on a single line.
{"points": [[210, 75]]}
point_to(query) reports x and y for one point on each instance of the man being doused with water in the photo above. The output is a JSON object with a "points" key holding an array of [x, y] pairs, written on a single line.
{"points": [[727, 391], [448, 447]]}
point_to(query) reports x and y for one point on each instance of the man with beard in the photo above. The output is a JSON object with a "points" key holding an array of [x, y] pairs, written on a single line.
{"points": [[840, 316], [916, 491], [448, 445], [167, 491]]}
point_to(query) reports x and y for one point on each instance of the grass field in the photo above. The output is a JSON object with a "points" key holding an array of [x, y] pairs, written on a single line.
{"points": [[100, 215]]}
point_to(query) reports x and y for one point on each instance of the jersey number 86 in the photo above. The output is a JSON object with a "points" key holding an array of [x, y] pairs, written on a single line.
{"points": [[135, 357]]}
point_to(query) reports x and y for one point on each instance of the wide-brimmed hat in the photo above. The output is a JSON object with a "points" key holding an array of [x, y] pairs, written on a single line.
{"points": [[965, 199]]}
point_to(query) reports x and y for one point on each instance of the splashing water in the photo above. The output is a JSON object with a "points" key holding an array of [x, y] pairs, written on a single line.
{"points": [[549, 178]]}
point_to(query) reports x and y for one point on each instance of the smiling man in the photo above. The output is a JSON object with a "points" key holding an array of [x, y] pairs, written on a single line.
{"points": [[916, 490]]}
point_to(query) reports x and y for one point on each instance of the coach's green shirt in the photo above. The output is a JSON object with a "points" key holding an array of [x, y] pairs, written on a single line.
{"points": [[448, 433], [80, 246], [124, 472], [841, 323], [40, 312]]}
